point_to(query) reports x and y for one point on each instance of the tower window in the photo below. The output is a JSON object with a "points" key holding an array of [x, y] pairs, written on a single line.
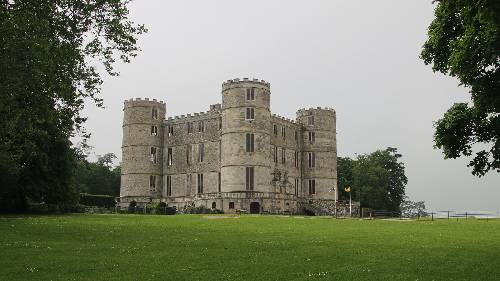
{"points": [[312, 137], [170, 130], [297, 183], [296, 159], [312, 186], [220, 123], [154, 113], [283, 156], [310, 120], [275, 129], [311, 159], [169, 185], [275, 154], [219, 182], [154, 155], [189, 127], [249, 142], [201, 126], [201, 156], [250, 94], [249, 178], [189, 149], [200, 183], [189, 178], [169, 156], [154, 130], [250, 114], [283, 131], [296, 136], [152, 183]]}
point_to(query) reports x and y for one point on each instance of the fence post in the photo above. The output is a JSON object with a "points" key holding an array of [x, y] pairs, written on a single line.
{"points": [[432, 216]]}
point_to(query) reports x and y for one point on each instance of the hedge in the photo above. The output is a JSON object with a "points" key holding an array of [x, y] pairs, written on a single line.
{"points": [[97, 200]]}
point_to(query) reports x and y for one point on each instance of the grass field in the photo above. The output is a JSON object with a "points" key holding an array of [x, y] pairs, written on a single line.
{"points": [[197, 247]]}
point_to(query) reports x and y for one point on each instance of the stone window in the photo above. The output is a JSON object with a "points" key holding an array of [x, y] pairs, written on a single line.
{"points": [[154, 130], [169, 156], [200, 183], [154, 155], [231, 205], [201, 126], [189, 149], [201, 149], [250, 142], [297, 184], [152, 183], [310, 120], [296, 159], [296, 136], [283, 131], [250, 178], [189, 127], [220, 123], [311, 159], [283, 156], [219, 182], [275, 154], [214, 205], [154, 113], [312, 137], [170, 130], [220, 151], [312, 186], [275, 129], [250, 94], [189, 179], [250, 113], [169, 185]]}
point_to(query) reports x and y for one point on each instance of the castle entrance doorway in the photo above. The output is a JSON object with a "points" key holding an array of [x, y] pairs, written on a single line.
{"points": [[254, 208]]}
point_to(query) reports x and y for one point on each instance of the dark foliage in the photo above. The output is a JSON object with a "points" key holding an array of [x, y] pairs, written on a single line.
{"points": [[48, 51], [464, 42]]}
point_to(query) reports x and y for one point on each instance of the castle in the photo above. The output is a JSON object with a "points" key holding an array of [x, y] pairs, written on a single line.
{"points": [[235, 157]]}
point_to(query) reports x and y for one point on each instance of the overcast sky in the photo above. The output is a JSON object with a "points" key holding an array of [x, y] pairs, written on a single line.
{"points": [[359, 57]]}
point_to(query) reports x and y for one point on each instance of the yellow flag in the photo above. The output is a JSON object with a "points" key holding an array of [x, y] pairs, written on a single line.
{"points": [[347, 189]]}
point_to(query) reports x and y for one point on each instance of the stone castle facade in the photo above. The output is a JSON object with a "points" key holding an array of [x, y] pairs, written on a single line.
{"points": [[235, 157]]}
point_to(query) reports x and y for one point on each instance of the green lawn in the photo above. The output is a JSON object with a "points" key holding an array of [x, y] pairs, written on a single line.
{"points": [[194, 247]]}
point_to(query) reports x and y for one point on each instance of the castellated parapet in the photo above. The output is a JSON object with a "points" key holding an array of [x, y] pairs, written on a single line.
{"points": [[236, 156]]}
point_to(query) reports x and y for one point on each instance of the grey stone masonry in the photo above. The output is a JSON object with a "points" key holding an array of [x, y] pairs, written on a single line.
{"points": [[235, 157]]}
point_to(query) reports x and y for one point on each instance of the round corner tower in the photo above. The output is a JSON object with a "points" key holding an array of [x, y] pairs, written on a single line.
{"points": [[246, 119], [141, 150], [319, 153]]}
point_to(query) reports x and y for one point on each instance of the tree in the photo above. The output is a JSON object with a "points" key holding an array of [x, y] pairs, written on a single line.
{"points": [[411, 209], [98, 177], [49, 53], [344, 176], [464, 42], [377, 179]]}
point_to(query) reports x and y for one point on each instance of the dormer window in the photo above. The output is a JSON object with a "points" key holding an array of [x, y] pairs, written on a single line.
{"points": [[250, 94]]}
